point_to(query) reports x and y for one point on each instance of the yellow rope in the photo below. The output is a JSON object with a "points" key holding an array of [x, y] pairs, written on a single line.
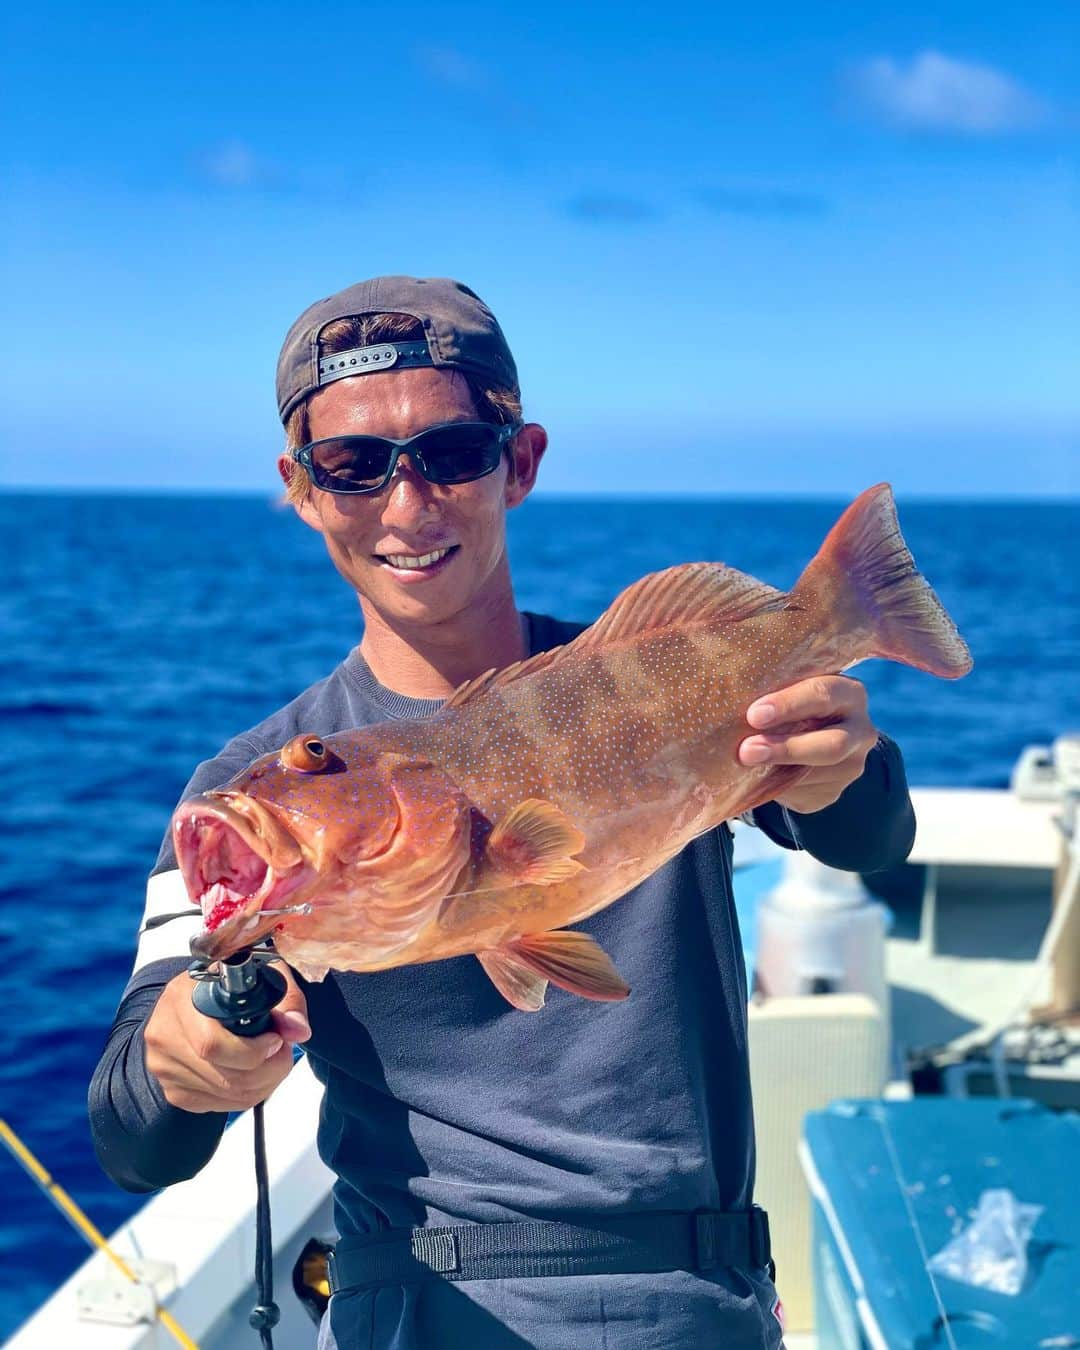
{"points": [[78, 1220]]}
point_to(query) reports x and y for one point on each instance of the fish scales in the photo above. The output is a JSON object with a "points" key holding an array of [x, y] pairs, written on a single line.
{"points": [[611, 775], [593, 750], [542, 793]]}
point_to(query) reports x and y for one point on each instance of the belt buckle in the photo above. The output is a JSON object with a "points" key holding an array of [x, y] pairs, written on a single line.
{"points": [[704, 1241], [331, 1271]]}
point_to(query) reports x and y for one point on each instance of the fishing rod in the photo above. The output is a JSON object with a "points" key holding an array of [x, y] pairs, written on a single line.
{"points": [[240, 992], [913, 1219], [82, 1225]]}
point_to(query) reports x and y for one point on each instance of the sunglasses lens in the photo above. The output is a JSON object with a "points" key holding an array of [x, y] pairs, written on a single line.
{"points": [[350, 463], [458, 454]]}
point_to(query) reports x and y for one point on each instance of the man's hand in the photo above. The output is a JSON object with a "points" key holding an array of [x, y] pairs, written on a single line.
{"points": [[835, 748], [203, 1067]]}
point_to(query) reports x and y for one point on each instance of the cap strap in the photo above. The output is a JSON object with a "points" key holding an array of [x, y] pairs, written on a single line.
{"points": [[366, 360]]}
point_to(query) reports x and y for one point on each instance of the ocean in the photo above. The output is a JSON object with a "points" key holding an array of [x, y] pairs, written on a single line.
{"points": [[140, 632]]}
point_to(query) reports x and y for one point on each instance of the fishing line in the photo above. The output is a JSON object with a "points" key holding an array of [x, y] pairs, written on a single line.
{"points": [[990, 1037], [515, 885], [194, 913], [487, 890], [894, 1159], [263, 1317], [980, 1038], [83, 1226], [159, 919]]}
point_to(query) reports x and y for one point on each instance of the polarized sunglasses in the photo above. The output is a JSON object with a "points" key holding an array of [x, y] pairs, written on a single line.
{"points": [[452, 452]]}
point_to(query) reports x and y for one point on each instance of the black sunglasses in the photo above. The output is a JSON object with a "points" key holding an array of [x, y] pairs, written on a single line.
{"points": [[452, 452]]}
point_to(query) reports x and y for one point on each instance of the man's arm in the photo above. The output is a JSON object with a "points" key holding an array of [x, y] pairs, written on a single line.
{"points": [[168, 1077], [870, 826], [141, 1141], [851, 808]]}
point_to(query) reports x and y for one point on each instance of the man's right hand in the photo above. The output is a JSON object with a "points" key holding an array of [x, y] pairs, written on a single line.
{"points": [[203, 1067]]}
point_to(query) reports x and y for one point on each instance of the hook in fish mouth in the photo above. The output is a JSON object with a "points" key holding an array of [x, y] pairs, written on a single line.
{"points": [[239, 864], [221, 942]]}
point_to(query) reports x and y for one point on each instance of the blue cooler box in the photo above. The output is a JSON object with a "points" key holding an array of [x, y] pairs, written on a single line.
{"points": [[871, 1285]]}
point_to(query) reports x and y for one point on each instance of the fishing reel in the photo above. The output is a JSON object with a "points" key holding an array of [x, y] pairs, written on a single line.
{"points": [[240, 991]]}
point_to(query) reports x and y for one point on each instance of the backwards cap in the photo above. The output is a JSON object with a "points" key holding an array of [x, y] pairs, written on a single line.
{"points": [[460, 333]]}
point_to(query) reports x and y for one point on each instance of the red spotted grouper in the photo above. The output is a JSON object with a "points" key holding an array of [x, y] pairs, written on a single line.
{"points": [[540, 793]]}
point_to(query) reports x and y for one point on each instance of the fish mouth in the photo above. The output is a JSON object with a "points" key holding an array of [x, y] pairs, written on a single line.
{"points": [[240, 866]]}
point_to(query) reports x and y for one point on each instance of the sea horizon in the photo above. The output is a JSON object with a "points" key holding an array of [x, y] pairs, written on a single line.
{"points": [[973, 497]]}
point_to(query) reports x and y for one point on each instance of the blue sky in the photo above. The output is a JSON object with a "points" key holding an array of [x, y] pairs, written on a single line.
{"points": [[796, 250]]}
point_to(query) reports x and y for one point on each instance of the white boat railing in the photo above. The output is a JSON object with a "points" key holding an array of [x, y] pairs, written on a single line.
{"points": [[203, 1232]]}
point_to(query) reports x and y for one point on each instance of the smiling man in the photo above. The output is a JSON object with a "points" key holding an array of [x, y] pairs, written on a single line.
{"points": [[591, 1166]]}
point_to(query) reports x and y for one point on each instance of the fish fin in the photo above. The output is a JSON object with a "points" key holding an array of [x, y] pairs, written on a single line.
{"points": [[534, 844], [514, 980], [694, 594], [865, 558], [573, 961], [492, 679], [464, 692], [697, 595]]}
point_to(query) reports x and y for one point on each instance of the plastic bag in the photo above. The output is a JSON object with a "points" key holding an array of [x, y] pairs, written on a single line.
{"points": [[991, 1252]]}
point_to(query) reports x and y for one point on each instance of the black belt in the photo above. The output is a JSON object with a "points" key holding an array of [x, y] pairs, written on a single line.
{"points": [[631, 1244]]}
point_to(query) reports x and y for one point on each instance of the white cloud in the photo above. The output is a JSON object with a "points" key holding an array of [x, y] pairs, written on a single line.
{"points": [[232, 164], [450, 66], [480, 89], [938, 93]]}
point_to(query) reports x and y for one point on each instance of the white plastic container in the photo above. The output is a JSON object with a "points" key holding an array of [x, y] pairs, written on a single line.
{"points": [[819, 932]]}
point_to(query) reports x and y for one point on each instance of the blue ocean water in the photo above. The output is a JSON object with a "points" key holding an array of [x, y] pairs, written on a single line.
{"points": [[139, 633]]}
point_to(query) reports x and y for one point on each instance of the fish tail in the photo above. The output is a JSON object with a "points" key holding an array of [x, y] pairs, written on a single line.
{"points": [[865, 571]]}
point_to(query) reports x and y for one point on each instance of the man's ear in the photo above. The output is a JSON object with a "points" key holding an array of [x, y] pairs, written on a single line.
{"points": [[303, 506], [526, 451]]}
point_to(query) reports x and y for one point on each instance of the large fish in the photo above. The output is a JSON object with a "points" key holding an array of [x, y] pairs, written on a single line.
{"points": [[540, 793]]}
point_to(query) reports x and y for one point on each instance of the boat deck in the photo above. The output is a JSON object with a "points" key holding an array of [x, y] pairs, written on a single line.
{"points": [[964, 951], [961, 954]]}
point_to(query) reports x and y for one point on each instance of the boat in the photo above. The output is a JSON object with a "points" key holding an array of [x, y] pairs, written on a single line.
{"points": [[981, 965]]}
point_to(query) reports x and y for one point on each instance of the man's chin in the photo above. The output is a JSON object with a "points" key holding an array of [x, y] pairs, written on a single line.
{"points": [[424, 604]]}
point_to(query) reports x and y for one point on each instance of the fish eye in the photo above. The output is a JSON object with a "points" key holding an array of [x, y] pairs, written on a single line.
{"points": [[306, 753]]}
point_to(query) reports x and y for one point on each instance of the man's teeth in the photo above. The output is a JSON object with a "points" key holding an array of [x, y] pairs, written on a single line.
{"points": [[407, 560]]}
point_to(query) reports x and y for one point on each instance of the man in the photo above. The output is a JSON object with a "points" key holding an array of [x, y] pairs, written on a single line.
{"points": [[443, 1105]]}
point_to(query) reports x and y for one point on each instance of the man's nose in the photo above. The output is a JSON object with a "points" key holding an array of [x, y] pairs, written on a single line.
{"points": [[410, 495]]}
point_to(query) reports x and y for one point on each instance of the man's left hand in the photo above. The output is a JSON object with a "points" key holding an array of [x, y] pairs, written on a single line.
{"points": [[835, 749]]}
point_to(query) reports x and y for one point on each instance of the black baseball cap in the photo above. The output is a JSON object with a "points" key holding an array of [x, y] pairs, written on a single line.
{"points": [[460, 333]]}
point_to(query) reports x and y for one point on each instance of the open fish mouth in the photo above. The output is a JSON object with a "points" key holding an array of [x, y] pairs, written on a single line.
{"points": [[240, 866]]}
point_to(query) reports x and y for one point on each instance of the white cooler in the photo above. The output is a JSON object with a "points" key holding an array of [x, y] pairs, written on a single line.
{"points": [[820, 932]]}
